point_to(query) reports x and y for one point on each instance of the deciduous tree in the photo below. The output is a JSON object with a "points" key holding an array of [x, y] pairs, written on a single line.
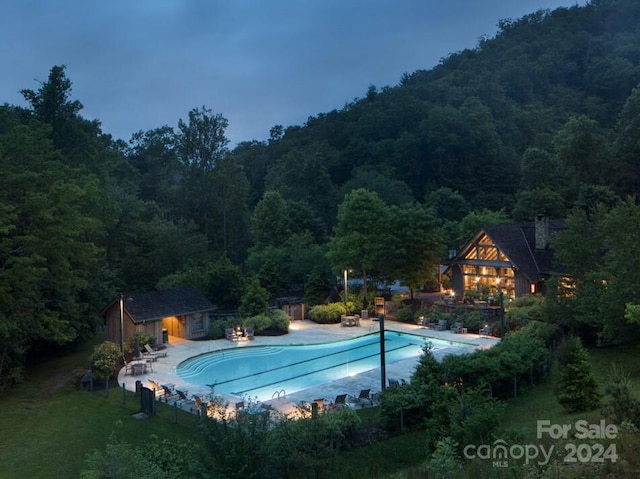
{"points": [[360, 238]]}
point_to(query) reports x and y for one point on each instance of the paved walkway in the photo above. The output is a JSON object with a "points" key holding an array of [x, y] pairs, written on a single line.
{"points": [[303, 332]]}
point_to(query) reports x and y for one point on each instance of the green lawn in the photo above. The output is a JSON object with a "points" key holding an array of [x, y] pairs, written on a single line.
{"points": [[49, 425], [47, 430]]}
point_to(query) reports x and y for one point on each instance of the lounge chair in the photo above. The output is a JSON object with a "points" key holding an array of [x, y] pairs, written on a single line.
{"points": [[155, 386], [182, 394], [152, 356], [197, 404], [425, 323], [457, 327], [363, 397], [169, 393], [249, 332], [486, 331], [158, 354], [320, 405], [183, 398], [341, 400]]}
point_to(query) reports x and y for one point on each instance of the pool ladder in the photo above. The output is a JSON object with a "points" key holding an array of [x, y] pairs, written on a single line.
{"points": [[278, 393]]}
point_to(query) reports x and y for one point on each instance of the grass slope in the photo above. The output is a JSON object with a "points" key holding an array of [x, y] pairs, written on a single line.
{"points": [[48, 425]]}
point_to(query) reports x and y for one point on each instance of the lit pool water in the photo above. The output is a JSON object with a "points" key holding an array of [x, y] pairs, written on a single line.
{"points": [[262, 371]]}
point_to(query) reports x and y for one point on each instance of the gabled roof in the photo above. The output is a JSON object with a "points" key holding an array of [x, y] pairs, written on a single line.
{"points": [[155, 305], [517, 241]]}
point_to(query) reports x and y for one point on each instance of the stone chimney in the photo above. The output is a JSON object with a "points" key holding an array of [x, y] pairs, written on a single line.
{"points": [[542, 232]]}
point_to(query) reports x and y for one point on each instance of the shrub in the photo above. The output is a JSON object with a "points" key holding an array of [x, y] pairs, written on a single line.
{"points": [[445, 462], [280, 321], [405, 315], [259, 322], [274, 322], [474, 417], [143, 338], [327, 313], [153, 457], [104, 359], [473, 320], [217, 327], [434, 316]]}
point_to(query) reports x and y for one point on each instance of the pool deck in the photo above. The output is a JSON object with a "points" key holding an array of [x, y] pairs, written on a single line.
{"points": [[303, 332]]}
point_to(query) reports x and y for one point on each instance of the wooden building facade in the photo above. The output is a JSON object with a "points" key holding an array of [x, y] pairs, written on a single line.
{"points": [[180, 312], [515, 259]]}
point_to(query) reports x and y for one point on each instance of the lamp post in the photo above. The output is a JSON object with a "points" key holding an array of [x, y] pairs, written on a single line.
{"points": [[345, 292], [383, 366], [501, 299], [121, 324]]}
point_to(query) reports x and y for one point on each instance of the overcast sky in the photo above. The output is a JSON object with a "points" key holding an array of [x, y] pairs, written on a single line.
{"points": [[141, 64]]}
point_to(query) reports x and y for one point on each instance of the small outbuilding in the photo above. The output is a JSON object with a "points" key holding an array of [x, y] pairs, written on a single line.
{"points": [[181, 312]]}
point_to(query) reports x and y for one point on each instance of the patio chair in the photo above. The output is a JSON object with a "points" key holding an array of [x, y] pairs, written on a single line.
{"points": [[148, 365], [158, 354], [457, 327], [442, 325], [230, 334], [128, 367], [486, 331], [249, 332]]}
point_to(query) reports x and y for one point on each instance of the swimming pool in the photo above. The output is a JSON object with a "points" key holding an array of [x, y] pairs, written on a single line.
{"points": [[262, 371]]}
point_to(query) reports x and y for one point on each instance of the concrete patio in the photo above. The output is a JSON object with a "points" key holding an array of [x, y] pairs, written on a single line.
{"points": [[300, 333]]}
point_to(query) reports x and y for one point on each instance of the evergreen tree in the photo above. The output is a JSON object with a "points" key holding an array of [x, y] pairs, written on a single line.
{"points": [[577, 387], [255, 300]]}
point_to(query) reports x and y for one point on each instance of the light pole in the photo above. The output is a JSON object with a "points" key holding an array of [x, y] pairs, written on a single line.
{"points": [[121, 324], [345, 292], [383, 366], [501, 299]]}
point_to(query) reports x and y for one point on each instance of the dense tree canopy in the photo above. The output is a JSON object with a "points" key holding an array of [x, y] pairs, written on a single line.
{"points": [[541, 118]]}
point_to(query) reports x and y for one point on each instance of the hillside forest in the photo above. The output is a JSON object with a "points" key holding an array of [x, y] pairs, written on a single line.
{"points": [[542, 118]]}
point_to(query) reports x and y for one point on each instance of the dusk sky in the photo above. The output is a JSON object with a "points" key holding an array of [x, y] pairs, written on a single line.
{"points": [[142, 64]]}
